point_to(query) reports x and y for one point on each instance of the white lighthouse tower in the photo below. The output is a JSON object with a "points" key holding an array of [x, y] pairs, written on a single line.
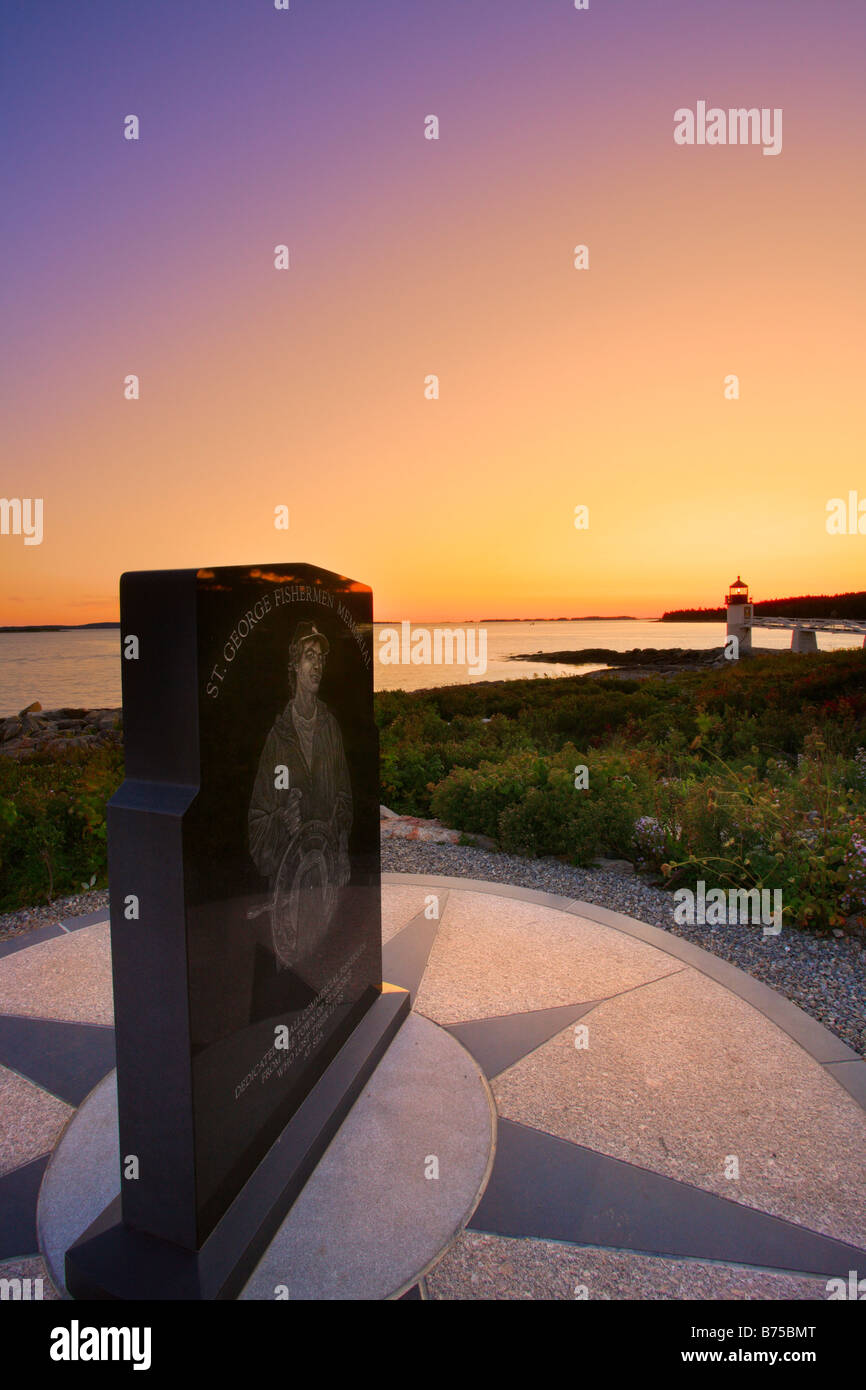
{"points": [[739, 610]]}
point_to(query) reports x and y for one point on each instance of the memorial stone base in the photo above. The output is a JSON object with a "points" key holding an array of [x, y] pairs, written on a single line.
{"points": [[397, 1183]]}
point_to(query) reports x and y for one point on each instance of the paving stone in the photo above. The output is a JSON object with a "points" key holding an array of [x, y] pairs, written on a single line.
{"points": [[68, 977], [400, 905], [67, 1059], [495, 955], [31, 1120], [33, 1269], [681, 1075], [479, 1266]]}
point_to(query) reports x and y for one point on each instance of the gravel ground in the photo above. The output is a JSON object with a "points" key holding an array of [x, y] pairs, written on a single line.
{"points": [[29, 918], [824, 976]]}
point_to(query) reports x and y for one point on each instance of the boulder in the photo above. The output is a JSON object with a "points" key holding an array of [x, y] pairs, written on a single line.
{"points": [[416, 828], [614, 866], [106, 719], [479, 841]]}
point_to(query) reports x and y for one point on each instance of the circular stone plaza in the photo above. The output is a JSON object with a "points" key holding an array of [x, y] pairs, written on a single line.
{"points": [[579, 1106]]}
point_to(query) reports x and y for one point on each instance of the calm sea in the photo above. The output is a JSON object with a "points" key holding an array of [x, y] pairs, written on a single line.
{"points": [[82, 669]]}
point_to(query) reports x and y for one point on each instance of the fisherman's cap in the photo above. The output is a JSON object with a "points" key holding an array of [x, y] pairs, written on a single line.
{"points": [[306, 632]]}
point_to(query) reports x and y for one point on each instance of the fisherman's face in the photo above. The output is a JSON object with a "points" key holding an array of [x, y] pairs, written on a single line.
{"points": [[310, 666]]}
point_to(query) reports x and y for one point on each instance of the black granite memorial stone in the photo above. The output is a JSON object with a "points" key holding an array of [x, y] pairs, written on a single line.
{"points": [[245, 915]]}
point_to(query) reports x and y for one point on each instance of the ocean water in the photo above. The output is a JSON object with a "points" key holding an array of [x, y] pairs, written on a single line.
{"points": [[82, 669]]}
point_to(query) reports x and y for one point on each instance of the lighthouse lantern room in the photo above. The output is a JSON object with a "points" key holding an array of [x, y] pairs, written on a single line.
{"points": [[739, 610], [737, 593]]}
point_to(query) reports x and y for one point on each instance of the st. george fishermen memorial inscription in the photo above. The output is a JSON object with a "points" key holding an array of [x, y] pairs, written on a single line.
{"points": [[245, 916]]}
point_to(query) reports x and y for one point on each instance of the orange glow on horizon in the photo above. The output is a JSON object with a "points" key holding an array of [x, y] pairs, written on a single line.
{"points": [[557, 387]]}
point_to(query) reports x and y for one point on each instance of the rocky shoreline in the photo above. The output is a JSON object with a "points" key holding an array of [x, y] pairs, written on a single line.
{"points": [[34, 730], [635, 656], [641, 663]]}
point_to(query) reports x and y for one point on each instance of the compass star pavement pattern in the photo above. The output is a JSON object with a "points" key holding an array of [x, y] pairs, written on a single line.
{"points": [[667, 1127]]}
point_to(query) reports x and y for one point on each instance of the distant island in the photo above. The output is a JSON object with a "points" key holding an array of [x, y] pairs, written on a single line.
{"points": [[379, 622], [851, 605], [464, 622], [57, 627], [642, 660], [588, 618]]}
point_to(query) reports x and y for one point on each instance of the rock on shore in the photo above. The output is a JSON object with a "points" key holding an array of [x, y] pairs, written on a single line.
{"points": [[34, 730]]}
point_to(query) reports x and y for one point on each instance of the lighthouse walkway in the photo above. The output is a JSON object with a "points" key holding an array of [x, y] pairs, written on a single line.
{"points": [[666, 1127]]}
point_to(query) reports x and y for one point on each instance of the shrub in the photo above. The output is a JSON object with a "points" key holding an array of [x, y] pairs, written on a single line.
{"points": [[530, 804], [797, 829], [52, 823]]}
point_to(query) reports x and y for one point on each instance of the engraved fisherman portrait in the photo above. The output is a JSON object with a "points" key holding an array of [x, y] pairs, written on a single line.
{"points": [[300, 812]]}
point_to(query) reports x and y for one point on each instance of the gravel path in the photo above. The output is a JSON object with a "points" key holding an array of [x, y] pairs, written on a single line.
{"points": [[824, 976], [29, 918]]}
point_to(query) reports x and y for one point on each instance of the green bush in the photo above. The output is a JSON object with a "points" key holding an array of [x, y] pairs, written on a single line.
{"points": [[472, 799], [745, 776], [531, 805], [749, 776], [52, 824], [552, 819], [798, 828]]}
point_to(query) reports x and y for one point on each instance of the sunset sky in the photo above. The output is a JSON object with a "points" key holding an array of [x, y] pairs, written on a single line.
{"points": [[411, 257]]}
